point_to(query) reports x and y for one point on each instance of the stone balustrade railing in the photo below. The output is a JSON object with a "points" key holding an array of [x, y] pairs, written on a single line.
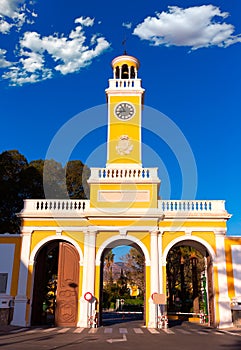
{"points": [[124, 174], [76, 206], [56, 205], [201, 206], [124, 83]]}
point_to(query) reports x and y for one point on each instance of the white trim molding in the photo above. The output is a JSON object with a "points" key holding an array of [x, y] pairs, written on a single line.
{"points": [[122, 241], [52, 238], [189, 238]]}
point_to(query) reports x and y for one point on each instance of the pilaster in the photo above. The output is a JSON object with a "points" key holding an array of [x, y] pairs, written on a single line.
{"points": [[154, 278], [160, 261], [223, 301], [19, 316], [88, 276]]}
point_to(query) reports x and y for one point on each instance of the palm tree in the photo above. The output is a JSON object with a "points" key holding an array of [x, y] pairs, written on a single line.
{"points": [[108, 261]]}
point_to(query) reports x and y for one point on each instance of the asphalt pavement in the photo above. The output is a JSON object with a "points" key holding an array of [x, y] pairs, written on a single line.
{"points": [[122, 333]]}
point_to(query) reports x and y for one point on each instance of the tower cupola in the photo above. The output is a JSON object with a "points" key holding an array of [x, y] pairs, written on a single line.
{"points": [[125, 67]]}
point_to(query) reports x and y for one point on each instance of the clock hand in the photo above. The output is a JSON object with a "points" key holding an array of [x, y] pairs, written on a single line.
{"points": [[123, 110]]}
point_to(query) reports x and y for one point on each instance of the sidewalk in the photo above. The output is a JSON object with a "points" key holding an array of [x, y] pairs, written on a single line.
{"points": [[7, 329]]}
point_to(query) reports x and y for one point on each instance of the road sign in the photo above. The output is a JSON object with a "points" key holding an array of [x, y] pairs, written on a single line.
{"points": [[159, 298], [88, 296]]}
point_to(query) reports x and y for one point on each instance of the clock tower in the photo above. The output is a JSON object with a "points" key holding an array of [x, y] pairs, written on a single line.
{"points": [[124, 183], [125, 101]]}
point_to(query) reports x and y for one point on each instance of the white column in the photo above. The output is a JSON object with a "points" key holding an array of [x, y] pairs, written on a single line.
{"points": [[154, 279], [160, 262], [19, 315], [88, 276], [223, 298], [91, 262]]}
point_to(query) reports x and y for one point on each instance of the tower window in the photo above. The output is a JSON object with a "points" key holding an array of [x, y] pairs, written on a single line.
{"points": [[117, 72], [124, 72], [132, 72]]}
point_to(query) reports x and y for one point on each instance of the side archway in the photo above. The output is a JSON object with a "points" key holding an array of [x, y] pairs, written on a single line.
{"points": [[56, 282], [52, 238], [192, 239], [195, 284]]}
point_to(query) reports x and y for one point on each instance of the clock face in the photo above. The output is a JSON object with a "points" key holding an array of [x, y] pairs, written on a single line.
{"points": [[124, 110]]}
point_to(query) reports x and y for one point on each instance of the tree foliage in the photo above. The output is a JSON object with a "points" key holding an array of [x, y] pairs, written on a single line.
{"points": [[132, 274], [184, 277], [38, 179], [108, 263], [135, 263], [77, 175]]}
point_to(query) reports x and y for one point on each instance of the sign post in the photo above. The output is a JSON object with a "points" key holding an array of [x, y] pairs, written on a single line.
{"points": [[160, 301], [89, 297]]}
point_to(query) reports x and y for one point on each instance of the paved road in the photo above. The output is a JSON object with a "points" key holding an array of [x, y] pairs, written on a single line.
{"points": [[124, 336]]}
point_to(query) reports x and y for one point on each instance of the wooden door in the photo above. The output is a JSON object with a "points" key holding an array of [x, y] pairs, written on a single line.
{"points": [[67, 286]]}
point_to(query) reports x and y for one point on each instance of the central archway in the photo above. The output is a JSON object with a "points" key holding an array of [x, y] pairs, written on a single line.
{"points": [[120, 311]]}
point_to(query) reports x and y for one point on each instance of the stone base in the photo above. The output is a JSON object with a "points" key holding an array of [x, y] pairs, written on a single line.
{"points": [[225, 314], [4, 317]]}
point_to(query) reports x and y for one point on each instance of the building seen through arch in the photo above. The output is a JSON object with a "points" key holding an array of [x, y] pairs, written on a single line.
{"points": [[53, 269]]}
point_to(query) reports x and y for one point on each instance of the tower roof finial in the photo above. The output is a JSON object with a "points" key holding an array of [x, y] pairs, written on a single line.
{"points": [[124, 45]]}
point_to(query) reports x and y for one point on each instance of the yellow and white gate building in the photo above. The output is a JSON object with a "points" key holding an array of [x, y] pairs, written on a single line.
{"points": [[124, 209]]}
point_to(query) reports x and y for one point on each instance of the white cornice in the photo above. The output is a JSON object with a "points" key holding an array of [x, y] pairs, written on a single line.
{"points": [[187, 230]]}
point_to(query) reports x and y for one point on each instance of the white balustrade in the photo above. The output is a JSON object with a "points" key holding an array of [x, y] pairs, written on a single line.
{"points": [[124, 83], [201, 206], [70, 206], [124, 174], [55, 205]]}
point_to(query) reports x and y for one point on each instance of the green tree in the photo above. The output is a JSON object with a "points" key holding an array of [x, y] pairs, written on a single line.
{"points": [[54, 181], [108, 263], [38, 179], [135, 265], [76, 179], [180, 279], [12, 166]]}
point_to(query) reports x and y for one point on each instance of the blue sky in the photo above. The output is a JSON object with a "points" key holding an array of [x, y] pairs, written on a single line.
{"points": [[55, 61]]}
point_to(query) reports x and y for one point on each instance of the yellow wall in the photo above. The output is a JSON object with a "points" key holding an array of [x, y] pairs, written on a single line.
{"points": [[229, 242], [151, 188], [130, 127], [16, 240]]}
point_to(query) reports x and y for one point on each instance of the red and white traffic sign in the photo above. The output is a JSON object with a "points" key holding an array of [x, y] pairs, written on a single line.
{"points": [[88, 296], [152, 296]]}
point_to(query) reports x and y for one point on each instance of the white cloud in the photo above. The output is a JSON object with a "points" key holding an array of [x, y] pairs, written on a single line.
{"points": [[32, 61], [9, 7], [69, 53], [14, 13], [85, 21], [3, 62], [17, 76], [195, 27], [127, 25], [30, 69], [4, 26]]}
